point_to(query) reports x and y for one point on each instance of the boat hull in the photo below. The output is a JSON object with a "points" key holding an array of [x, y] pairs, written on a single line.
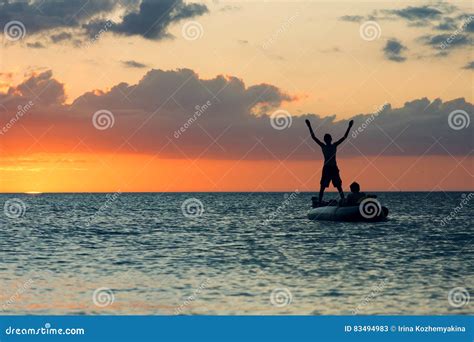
{"points": [[346, 214]]}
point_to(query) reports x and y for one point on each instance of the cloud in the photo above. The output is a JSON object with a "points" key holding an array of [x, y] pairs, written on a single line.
{"points": [[178, 114], [417, 13], [446, 42], [152, 19], [35, 45], [393, 50], [41, 88], [455, 25], [447, 24], [352, 18], [39, 16], [56, 38], [147, 18], [134, 64], [469, 66]]}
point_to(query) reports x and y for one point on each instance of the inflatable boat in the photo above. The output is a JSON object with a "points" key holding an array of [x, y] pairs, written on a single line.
{"points": [[369, 210]]}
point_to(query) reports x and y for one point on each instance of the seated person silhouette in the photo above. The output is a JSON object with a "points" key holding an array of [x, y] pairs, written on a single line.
{"points": [[355, 197], [330, 169]]}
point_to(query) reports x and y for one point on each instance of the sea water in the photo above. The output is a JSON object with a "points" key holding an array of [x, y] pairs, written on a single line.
{"points": [[233, 253]]}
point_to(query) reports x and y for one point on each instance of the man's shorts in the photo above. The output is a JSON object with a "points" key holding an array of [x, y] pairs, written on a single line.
{"points": [[330, 174]]}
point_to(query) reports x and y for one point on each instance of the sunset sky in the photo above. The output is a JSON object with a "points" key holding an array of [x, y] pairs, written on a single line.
{"points": [[161, 95]]}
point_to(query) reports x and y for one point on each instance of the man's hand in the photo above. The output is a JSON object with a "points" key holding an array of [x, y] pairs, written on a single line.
{"points": [[351, 123]]}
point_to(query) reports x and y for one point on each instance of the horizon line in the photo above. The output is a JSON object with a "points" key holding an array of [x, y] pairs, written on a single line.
{"points": [[210, 192]]}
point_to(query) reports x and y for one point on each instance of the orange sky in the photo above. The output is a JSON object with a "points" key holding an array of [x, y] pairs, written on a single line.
{"points": [[142, 173], [295, 56]]}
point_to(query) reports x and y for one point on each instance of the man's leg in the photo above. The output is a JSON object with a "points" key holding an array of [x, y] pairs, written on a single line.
{"points": [[321, 193], [341, 192]]}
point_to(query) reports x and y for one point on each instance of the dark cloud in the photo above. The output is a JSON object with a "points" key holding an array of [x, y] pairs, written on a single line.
{"points": [[417, 13], [41, 88], [147, 18], [152, 19], [38, 16], [352, 18], [148, 115], [134, 64], [469, 66], [444, 43], [467, 22], [56, 38], [447, 24], [393, 50], [35, 45]]}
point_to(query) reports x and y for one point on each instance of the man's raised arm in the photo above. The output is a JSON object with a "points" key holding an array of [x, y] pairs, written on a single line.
{"points": [[345, 134], [320, 143]]}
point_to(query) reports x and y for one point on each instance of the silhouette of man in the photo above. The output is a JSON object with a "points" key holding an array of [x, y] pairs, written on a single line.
{"points": [[330, 169], [355, 196]]}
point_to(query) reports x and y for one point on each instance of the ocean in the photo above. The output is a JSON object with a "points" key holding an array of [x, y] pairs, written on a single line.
{"points": [[233, 254]]}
